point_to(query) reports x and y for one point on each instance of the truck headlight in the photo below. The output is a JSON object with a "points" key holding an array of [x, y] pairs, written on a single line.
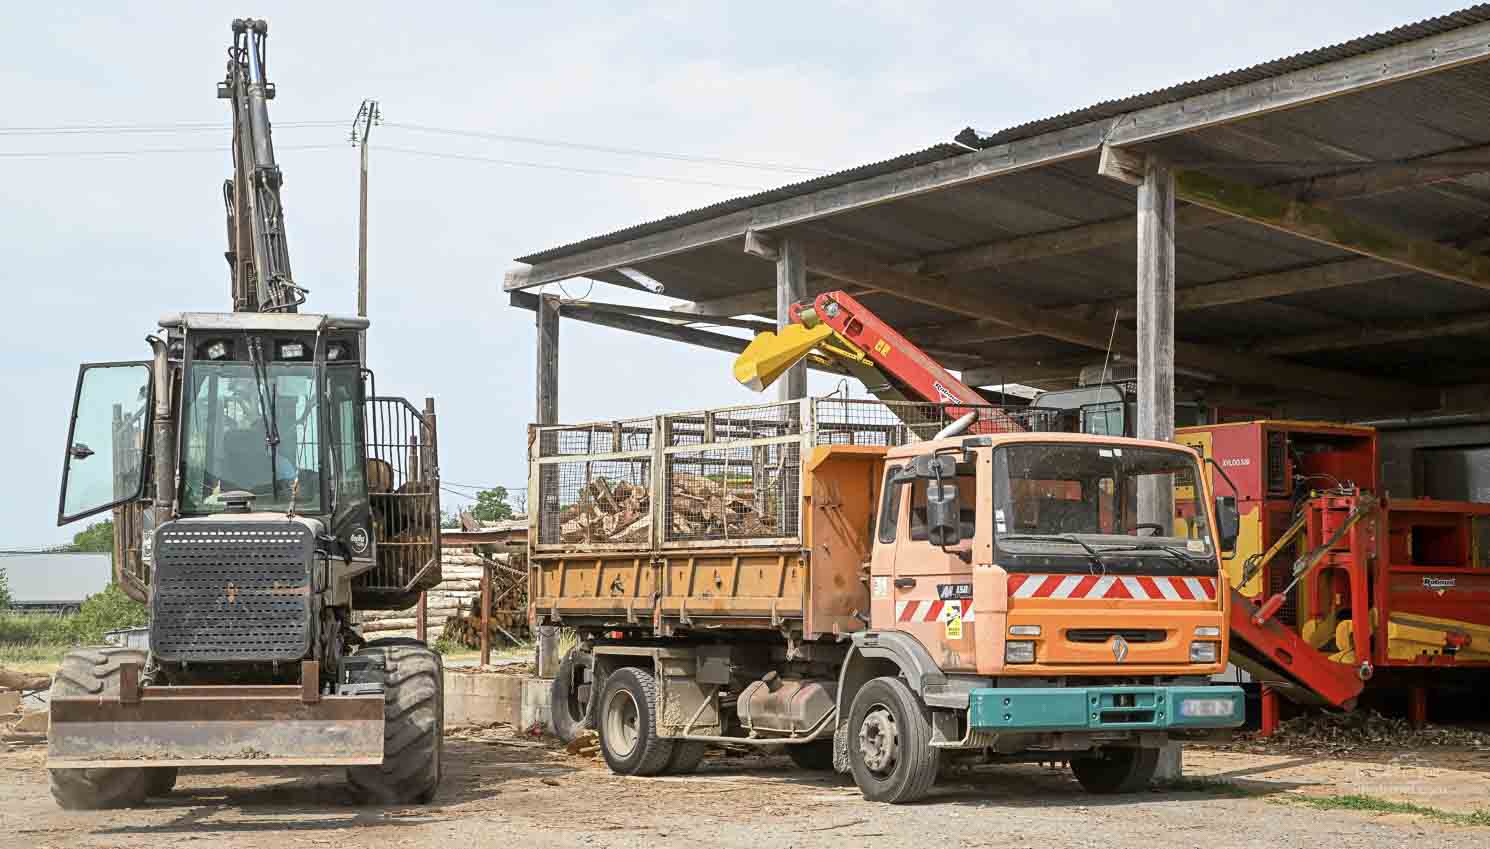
{"points": [[1203, 652], [1207, 631], [1024, 630], [1207, 707], [1019, 651]]}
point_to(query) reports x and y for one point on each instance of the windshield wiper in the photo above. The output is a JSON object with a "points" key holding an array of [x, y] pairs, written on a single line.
{"points": [[1178, 554], [264, 389], [1093, 555]]}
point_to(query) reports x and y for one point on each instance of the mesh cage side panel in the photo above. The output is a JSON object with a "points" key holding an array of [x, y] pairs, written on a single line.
{"points": [[596, 501], [738, 493], [232, 591]]}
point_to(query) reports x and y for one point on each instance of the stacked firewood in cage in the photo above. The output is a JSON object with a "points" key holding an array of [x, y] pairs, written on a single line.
{"points": [[700, 507], [507, 622]]}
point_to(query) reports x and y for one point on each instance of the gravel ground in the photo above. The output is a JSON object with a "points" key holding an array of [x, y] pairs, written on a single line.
{"points": [[506, 790]]}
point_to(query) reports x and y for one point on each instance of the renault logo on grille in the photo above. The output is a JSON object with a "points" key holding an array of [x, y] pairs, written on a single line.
{"points": [[1119, 648]]}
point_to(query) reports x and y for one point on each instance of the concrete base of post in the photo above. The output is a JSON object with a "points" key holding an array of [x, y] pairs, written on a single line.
{"points": [[1171, 762]]}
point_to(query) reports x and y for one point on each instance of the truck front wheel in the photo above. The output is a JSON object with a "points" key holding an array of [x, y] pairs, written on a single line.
{"points": [[1114, 770], [413, 726], [628, 724], [889, 744]]}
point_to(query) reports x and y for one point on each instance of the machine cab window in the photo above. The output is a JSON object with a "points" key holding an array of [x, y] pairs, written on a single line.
{"points": [[104, 464]]}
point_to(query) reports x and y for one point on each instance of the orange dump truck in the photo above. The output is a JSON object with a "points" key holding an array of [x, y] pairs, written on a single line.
{"points": [[843, 579]]}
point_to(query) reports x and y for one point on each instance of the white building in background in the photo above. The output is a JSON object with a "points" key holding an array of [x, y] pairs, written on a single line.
{"points": [[55, 578]]}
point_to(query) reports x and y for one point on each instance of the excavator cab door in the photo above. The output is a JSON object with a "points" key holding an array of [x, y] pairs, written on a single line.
{"points": [[105, 462]]}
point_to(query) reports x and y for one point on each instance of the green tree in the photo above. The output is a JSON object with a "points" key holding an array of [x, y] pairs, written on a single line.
{"points": [[98, 536], [103, 612], [492, 505], [5, 599], [449, 519]]}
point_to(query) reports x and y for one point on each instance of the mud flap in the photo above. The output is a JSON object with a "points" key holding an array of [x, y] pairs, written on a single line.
{"points": [[216, 726]]}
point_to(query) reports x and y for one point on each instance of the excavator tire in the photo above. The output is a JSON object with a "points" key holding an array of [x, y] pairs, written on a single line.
{"points": [[94, 672], [413, 726]]}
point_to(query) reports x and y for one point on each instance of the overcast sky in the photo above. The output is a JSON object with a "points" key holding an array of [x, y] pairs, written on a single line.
{"points": [[96, 248]]}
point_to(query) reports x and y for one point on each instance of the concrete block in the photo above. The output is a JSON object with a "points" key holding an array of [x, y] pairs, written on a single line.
{"points": [[1171, 762], [473, 697], [10, 701]]}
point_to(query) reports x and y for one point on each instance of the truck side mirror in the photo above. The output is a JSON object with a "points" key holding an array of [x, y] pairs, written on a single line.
{"points": [[943, 502], [1228, 522]]}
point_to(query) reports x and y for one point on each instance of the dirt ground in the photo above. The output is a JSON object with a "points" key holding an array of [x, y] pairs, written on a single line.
{"points": [[504, 789]]}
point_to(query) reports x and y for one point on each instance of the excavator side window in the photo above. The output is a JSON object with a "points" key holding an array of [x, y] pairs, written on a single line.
{"points": [[104, 464]]}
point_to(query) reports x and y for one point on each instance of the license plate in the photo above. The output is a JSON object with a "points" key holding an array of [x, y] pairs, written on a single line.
{"points": [[1207, 707]]}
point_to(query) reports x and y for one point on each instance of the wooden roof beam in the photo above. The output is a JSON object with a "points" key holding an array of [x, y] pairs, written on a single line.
{"points": [[1331, 227], [1366, 336], [828, 259], [1360, 182]]}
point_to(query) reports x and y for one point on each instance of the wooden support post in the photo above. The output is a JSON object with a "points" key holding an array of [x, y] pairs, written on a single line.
{"points": [[1156, 332], [485, 613], [791, 287], [421, 619], [548, 360]]}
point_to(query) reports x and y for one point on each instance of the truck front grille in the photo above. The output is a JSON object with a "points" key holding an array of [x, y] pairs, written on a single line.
{"points": [[1102, 635], [232, 591]]}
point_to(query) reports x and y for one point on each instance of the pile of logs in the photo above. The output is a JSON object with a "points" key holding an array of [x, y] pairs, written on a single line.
{"points": [[701, 508], [456, 600]]}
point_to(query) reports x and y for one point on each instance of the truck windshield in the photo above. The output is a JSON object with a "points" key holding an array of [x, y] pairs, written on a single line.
{"points": [[226, 444], [1082, 499]]}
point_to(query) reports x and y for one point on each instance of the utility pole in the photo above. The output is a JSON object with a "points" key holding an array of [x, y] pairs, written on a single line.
{"points": [[368, 117]]}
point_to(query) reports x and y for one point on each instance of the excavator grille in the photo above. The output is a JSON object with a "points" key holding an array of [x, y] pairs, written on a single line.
{"points": [[229, 590]]}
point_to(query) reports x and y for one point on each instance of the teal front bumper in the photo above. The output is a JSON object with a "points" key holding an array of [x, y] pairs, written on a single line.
{"points": [[1105, 708]]}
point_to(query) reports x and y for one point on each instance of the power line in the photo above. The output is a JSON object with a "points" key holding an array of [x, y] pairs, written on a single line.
{"points": [[569, 168], [60, 154], [180, 127], [625, 151]]}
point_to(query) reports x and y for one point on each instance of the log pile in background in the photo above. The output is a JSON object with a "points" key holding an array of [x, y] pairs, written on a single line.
{"points": [[701, 508], [457, 598]]}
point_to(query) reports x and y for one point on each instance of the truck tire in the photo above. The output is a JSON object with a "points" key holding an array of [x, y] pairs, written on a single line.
{"points": [[160, 780], [687, 755], [95, 672], [817, 755], [572, 695], [627, 720], [890, 751], [413, 726], [1114, 770]]}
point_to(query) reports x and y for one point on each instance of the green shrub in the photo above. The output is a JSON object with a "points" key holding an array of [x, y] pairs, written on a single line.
{"points": [[105, 611]]}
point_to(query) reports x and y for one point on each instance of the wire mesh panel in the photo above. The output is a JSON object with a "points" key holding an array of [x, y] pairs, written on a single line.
{"points": [[595, 438], [856, 421], [403, 491], [733, 424], [596, 503], [734, 494]]}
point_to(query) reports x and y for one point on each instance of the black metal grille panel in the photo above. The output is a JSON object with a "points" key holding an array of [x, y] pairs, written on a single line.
{"points": [[232, 591]]}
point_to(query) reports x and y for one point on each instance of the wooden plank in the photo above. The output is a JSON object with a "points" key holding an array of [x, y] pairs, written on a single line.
{"points": [[1361, 182], [827, 258], [1330, 227]]}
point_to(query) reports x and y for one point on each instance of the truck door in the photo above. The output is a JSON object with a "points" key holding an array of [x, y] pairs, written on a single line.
{"points": [[932, 587], [104, 464]]}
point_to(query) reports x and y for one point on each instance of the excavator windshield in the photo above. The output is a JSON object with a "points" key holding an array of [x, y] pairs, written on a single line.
{"points": [[228, 445]]}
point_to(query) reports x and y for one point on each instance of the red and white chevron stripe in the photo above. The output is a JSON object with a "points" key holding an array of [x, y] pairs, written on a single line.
{"points": [[1138, 587], [933, 611]]}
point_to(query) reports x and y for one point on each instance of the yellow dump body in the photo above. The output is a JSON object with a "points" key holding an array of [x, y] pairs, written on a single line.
{"points": [[752, 517]]}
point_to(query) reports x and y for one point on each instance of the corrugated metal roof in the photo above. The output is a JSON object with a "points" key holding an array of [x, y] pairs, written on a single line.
{"points": [[1365, 44], [828, 181], [1422, 29]]}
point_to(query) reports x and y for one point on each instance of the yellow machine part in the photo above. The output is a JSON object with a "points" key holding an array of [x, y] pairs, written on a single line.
{"points": [[769, 355], [1410, 635]]}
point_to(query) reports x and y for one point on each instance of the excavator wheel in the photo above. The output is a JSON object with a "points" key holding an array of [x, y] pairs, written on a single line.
{"points": [[94, 672], [413, 726]]}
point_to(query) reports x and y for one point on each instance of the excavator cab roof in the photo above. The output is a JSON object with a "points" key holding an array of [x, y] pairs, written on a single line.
{"points": [[281, 322]]}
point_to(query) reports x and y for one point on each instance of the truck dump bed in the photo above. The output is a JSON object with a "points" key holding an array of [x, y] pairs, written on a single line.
{"points": [[754, 517]]}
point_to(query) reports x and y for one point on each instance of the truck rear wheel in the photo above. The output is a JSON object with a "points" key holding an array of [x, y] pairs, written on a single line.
{"points": [[95, 673], [628, 724], [571, 695], [687, 755], [1114, 770], [889, 744], [413, 726]]}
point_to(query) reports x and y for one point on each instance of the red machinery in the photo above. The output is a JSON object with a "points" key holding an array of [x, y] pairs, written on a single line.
{"points": [[1339, 585]]}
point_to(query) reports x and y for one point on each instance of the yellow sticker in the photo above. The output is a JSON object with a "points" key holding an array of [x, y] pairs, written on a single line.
{"points": [[954, 624]]}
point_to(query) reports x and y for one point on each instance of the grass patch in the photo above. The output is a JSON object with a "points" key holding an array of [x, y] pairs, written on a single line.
{"points": [[1378, 805]]}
